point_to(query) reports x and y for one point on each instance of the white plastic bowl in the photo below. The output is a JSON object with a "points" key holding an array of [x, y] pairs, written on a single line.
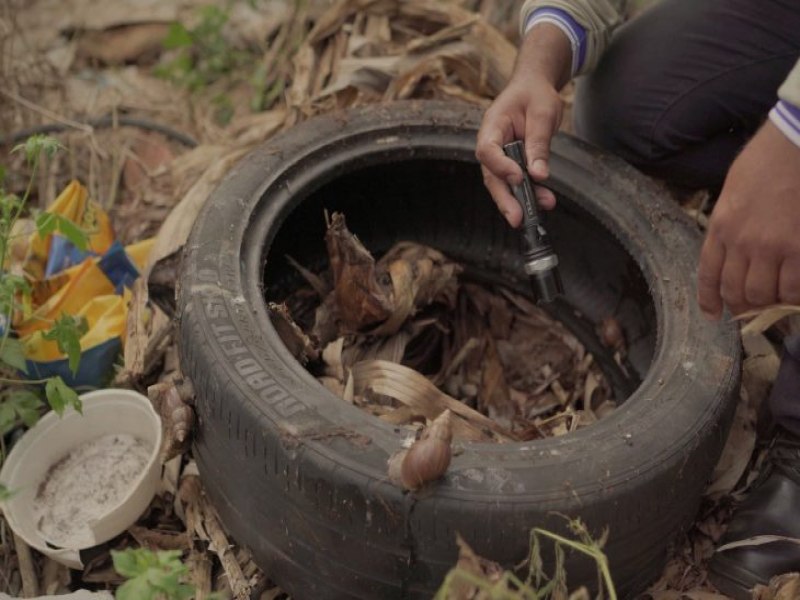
{"points": [[110, 411]]}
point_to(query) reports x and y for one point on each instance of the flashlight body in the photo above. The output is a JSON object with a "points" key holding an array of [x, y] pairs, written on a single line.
{"points": [[541, 263]]}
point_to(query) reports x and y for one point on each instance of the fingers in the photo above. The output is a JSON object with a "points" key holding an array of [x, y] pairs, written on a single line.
{"points": [[732, 279], [540, 125], [493, 133], [503, 198], [789, 281], [499, 171], [712, 258], [544, 197], [761, 282]]}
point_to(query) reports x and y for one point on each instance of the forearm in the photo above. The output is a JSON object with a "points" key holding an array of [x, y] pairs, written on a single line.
{"points": [[545, 53], [588, 23], [786, 114]]}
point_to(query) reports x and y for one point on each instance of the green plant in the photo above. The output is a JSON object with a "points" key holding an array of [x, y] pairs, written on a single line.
{"points": [[201, 55], [152, 575], [537, 586], [20, 400]]}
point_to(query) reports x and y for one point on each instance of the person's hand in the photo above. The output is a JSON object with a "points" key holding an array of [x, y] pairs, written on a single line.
{"points": [[751, 255], [529, 108]]}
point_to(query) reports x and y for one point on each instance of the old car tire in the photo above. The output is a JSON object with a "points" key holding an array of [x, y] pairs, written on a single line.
{"points": [[299, 477]]}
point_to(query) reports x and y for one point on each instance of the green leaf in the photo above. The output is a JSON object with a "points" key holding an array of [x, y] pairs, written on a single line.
{"points": [[12, 353], [170, 559], [130, 563], [60, 396], [8, 417], [177, 37], [137, 588], [5, 493], [12, 288], [27, 404], [151, 574], [47, 223], [37, 144], [67, 332]]}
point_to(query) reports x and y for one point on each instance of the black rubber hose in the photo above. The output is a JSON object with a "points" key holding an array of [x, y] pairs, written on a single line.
{"points": [[100, 122]]}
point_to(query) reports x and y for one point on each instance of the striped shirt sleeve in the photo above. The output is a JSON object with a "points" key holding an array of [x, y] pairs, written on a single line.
{"points": [[575, 33], [786, 117]]}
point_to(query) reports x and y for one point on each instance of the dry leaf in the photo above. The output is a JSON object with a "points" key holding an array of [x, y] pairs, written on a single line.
{"points": [[332, 359], [736, 453], [471, 563], [150, 153], [361, 293], [763, 319], [758, 540], [296, 341], [494, 397], [317, 283], [419, 276], [130, 42], [704, 595], [781, 587], [414, 390]]}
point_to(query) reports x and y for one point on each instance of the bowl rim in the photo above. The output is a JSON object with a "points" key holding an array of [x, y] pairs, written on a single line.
{"points": [[48, 425]]}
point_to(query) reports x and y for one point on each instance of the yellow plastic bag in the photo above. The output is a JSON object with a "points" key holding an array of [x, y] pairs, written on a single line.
{"points": [[92, 284]]}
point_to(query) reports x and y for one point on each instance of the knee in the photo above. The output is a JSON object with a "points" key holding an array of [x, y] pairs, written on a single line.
{"points": [[615, 108]]}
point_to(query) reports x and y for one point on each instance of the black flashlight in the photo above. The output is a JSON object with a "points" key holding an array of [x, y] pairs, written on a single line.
{"points": [[541, 263]]}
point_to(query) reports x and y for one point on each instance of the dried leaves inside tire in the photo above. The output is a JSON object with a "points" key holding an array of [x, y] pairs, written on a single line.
{"points": [[517, 373]]}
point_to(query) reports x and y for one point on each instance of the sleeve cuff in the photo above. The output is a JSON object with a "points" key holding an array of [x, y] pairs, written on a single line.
{"points": [[786, 117], [575, 33]]}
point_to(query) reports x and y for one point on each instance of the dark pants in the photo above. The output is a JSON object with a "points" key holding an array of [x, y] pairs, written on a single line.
{"points": [[784, 400], [683, 86], [678, 93]]}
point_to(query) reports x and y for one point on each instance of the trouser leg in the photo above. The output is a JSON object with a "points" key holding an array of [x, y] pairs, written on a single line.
{"points": [[682, 87], [784, 400]]}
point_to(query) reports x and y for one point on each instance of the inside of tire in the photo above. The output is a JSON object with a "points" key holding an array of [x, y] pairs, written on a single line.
{"points": [[443, 204]]}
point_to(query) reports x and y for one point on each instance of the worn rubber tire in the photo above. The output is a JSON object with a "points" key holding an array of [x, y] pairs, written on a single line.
{"points": [[299, 477]]}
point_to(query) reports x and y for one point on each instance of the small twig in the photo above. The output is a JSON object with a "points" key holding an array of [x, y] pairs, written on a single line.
{"points": [[30, 582], [201, 516], [200, 566], [222, 547]]}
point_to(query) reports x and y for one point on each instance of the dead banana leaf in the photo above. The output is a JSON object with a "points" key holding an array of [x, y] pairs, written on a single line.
{"points": [[362, 294], [412, 389], [781, 587], [763, 319], [420, 275]]}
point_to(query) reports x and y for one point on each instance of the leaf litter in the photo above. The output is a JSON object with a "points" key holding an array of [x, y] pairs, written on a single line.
{"points": [[408, 337]]}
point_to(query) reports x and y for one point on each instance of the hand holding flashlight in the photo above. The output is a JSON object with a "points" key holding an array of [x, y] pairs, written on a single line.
{"points": [[541, 263]]}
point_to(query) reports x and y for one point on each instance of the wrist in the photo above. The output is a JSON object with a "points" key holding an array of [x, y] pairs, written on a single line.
{"points": [[572, 30], [545, 53], [786, 117]]}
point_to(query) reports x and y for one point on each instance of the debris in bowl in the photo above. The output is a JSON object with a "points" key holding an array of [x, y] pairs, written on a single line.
{"points": [[84, 485]]}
